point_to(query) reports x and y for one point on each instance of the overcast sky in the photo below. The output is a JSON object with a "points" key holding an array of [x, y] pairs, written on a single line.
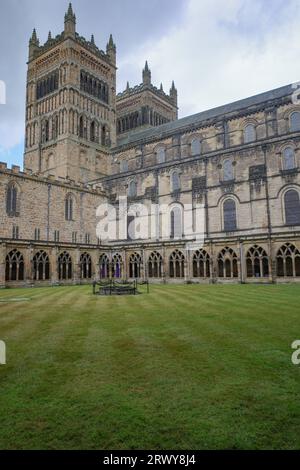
{"points": [[217, 51]]}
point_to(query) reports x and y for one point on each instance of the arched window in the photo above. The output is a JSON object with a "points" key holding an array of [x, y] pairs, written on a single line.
{"points": [[117, 266], [85, 266], [227, 263], [201, 265], [135, 262], [14, 266], [292, 207], [175, 179], [295, 121], [81, 127], [93, 132], [229, 214], [195, 147], [41, 266], [104, 266], [55, 128], [103, 135], [227, 170], [249, 133], [132, 189], [288, 261], [288, 158], [161, 155], [124, 166], [257, 262], [12, 200], [69, 206], [176, 264], [64, 266], [176, 223], [155, 265]]}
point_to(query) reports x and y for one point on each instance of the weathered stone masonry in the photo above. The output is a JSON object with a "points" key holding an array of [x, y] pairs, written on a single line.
{"points": [[85, 145]]}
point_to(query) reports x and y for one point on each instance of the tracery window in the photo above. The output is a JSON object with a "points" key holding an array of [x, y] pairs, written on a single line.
{"points": [[176, 264], [257, 262], [227, 263]]}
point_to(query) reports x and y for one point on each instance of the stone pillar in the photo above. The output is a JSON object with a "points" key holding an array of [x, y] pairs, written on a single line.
{"points": [[242, 264], [164, 266], [2, 264], [187, 264], [124, 266], [95, 265], [213, 264], [76, 266], [28, 265], [53, 265]]}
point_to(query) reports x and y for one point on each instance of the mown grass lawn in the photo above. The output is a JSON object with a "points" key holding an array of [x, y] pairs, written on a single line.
{"points": [[184, 367]]}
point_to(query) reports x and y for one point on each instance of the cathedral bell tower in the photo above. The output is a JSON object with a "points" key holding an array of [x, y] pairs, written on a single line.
{"points": [[70, 105]]}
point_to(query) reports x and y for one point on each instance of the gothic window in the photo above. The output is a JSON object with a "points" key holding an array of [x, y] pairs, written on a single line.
{"points": [[15, 232], [64, 266], [37, 234], [135, 262], [227, 263], [132, 189], [227, 170], [56, 235], [45, 131], [14, 266], [93, 132], [117, 266], [41, 266], [123, 166], [175, 179], [295, 121], [176, 264], [104, 266], [288, 261], [85, 266], [201, 264], [257, 262], [131, 227], [292, 207], [161, 155], [288, 158], [176, 223], [229, 214], [81, 127], [55, 127], [12, 200], [69, 206], [249, 133], [74, 237], [195, 147], [155, 264], [87, 238], [103, 135]]}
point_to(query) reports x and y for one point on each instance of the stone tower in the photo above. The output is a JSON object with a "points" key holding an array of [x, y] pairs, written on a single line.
{"points": [[70, 105], [145, 105]]}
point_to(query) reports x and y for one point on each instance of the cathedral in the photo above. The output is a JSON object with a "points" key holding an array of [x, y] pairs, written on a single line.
{"points": [[87, 146]]}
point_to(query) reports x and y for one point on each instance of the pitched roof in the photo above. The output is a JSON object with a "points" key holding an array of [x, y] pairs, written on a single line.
{"points": [[199, 118]]}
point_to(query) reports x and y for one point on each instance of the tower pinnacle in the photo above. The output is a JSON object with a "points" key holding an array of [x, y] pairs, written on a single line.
{"points": [[70, 22], [146, 74]]}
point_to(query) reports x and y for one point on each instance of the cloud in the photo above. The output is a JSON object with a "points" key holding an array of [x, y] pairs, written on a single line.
{"points": [[223, 51], [217, 51]]}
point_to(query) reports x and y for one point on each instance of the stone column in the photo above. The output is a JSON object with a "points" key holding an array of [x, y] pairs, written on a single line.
{"points": [[241, 263], [53, 265], [76, 266], [2, 264], [28, 265], [95, 265]]}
